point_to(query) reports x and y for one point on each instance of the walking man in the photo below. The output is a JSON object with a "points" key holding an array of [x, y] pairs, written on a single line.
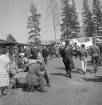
{"points": [[45, 54], [67, 54], [95, 54], [83, 58]]}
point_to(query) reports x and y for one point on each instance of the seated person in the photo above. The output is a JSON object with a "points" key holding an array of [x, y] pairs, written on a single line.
{"points": [[35, 76], [13, 69], [43, 69], [20, 62]]}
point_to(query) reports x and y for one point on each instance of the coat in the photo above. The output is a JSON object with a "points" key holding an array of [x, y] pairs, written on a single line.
{"points": [[95, 51], [67, 55], [44, 53], [34, 73], [4, 76], [82, 54]]}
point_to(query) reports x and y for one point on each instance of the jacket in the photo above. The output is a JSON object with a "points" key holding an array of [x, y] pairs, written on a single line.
{"points": [[82, 54], [95, 51]]}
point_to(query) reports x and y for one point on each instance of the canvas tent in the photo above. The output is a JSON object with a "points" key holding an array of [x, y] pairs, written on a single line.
{"points": [[4, 43]]}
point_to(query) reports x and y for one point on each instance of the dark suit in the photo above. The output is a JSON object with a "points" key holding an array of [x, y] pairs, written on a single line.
{"points": [[45, 55], [67, 54]]}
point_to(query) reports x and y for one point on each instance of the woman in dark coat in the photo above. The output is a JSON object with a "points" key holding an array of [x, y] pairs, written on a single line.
{"points": [[35, 76], [67, 54]]}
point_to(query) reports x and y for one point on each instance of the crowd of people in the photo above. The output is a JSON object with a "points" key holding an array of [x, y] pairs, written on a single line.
{"points": [[19, 59], [67, 52], [33, 61]]}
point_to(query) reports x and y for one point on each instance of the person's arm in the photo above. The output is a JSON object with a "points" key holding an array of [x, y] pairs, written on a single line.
{"points": [[98, 52], [42, 67], [46, 52], [86, 53], [90, 52], [62, 52], [38, 72]]}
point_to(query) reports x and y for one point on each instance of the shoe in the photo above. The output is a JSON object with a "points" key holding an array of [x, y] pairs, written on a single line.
{"points": [[48, 85], [95, 71], [83, 72], [70, 76], [42, 90]]}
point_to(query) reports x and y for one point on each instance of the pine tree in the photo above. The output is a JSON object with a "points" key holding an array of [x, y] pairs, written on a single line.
{"points": [[97, 17], [33, 25], [10, 37], [70, 25], [87, 19], [75, 24], [66, 19]]}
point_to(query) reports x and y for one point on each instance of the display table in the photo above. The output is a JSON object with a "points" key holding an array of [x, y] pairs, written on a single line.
{"points": [[21, 74], [21, 77]]}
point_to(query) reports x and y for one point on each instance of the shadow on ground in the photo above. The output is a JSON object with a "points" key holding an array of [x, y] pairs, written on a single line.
{"points": [[89, 63], [90, 70], [60, 68], [59, 74], [78, 70], [95, 79]]}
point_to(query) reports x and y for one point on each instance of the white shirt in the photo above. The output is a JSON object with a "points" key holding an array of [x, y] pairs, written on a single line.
{"points": [[4, 60]]}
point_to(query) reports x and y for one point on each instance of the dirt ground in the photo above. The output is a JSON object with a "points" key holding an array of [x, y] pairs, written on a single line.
{"points": [[80, 90]]}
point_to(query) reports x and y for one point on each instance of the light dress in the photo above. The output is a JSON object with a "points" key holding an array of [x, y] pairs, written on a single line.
{"points": [[4, 76]]}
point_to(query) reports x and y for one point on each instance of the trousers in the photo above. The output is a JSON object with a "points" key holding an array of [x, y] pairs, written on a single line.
{"points": [[46, 78], [68, 69], [45, 60], [95, 60], [83, 64]]}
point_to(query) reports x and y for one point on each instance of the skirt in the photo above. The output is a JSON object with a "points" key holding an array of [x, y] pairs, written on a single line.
{"points": [[4, 79]]}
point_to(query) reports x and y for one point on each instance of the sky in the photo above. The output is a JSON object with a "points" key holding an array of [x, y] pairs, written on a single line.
{"points": [[14, 17]]}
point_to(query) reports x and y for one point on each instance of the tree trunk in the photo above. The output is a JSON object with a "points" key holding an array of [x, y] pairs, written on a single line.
{"points": [[54, 28]]}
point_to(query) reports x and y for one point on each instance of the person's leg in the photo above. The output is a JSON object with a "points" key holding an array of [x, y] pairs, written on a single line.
{"points": [[94, 64], [47, 78], [45, 60], [85, 63], [1, 91], [66, 67], [97, 61], [101, 59], [69, 70], [41, 83], [52, 56], [83, 66]]}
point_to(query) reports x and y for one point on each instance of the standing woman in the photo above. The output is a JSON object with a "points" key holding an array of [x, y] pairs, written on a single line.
{"points": [[4, 75]]}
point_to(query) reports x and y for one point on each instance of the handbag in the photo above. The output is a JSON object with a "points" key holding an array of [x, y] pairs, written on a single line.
{"points": [[72, 66]]}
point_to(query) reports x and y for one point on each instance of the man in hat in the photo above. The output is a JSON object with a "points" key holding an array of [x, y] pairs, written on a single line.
{"points": [[45, 54], [67, 58], [95, 54]]}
